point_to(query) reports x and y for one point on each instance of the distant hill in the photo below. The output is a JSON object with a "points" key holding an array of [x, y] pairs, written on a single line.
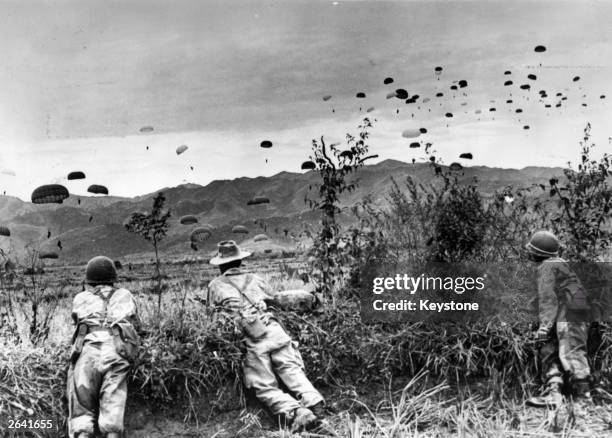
{"points": [[88, 226]]}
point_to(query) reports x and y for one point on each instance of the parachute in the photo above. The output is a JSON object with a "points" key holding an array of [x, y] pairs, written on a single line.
{"points": [[97, 189], [415, 144], [439, 94], [266, 144], [201, 234], [532, 77], [526, 127], [240, 229], [463, 83], [48, 255], [525, 87], [576, 78], [308, 165], [360, 95], [76, 175], [539, 49], [181, 149], [449, 115], [518, 110], [477, 111], [369, 110], [49, 194], [258, 200], [466, 155], [507, 72], [427, 99], [507, 83], [146, 129], [4, 231], [603, 96], [411, 133], [326, 98], [388, 81], [438, 70], [189, 219], [260, 238], [423, 130], [453, 87], [401, 93], [456, 167], [492, 109]]}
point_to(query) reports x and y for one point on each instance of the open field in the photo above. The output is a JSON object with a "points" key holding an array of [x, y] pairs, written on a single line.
{"points": [[395, 382]]}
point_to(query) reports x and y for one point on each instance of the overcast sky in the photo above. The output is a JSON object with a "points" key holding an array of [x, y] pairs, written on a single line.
{"points": [[79, 80]]}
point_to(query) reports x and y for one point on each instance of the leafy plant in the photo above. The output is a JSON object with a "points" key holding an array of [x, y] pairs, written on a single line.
{"points": [[153, 227], [584, 201], [334, 166]]}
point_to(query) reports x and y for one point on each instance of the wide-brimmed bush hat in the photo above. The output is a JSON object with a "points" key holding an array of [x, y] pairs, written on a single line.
{"points": [[228, 251]]}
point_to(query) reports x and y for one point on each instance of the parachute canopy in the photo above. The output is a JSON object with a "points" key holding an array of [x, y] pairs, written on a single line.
{"points": [[388, 81], [76, 175], [258, 200], [182, 148], [415, 144], [411, 133], [48, 255], [463, 83], [189, 219], [525, 87], [532, 77], [260, 237], [401, 93], [326, 98], [97, 189], [423, 130], [266, 144], [4, 231], [507, 83], [49, 194], [449, 115], [240, 229], [539, 49], [360, 95], [146, 129], [466, 155], [576, 78], [201, 234], [507, 72], [308, 165], [438, 69]]}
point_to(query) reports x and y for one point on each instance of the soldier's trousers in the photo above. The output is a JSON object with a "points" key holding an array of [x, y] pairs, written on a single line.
{"points": [[276, 355], [97, 385], [565, 351]]}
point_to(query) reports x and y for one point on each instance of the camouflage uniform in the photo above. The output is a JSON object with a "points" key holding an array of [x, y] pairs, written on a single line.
{"points": [[274, 353], [564, 325], [97, 379]]}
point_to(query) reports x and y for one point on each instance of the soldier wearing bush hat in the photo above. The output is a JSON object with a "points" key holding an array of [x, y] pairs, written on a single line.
{"points": [[271, 354], [104, 345], [564, 312]]}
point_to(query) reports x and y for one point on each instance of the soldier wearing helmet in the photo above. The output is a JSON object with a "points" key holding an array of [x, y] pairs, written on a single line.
{"points": [[271, 354], [564, 312], [104, 346]]}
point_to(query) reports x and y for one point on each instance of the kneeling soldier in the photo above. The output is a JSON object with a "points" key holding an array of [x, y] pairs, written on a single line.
{"points": [[105, 344], [270, 350]]}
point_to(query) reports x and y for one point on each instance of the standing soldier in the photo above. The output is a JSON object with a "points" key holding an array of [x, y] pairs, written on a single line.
{"points": [[104, 345], [564, 314], [270, 350]]}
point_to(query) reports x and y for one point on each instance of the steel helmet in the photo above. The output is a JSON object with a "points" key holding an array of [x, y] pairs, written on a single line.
{"points": [[543, 244], [100, 270]]}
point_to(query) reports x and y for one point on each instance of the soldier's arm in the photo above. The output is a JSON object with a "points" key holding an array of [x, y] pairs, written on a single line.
{"points": [[547, 298]]}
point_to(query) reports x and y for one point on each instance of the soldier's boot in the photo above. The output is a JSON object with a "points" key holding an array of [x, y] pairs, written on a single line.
{"points": [[581, 389], [551, 397], [303, 419]]}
